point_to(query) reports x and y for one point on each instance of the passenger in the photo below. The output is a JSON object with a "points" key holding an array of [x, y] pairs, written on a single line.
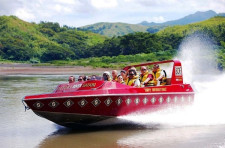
{"points": [[133, 79], [159, 76], [114, 75], [133, 68], [71, 79], [123, 73], [80, 79], [145, 77], [88, 78], [106, 76], [127, 72], [85, 78], [93, 77], [120, 79]]}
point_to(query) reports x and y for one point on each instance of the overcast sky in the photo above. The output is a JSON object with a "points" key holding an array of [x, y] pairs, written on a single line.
{"points": [[78, 13]]}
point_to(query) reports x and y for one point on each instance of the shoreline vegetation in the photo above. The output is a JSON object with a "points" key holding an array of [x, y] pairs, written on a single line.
{"points": [[93, 65]]}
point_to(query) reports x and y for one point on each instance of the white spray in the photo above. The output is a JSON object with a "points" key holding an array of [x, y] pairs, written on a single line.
{"points": [[198, 59]]}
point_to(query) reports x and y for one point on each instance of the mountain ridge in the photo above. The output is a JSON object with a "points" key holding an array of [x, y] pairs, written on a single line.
{"points": [[119, 28], [191, 18]]}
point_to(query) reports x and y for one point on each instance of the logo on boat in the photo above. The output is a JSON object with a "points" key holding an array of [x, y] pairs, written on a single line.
{"points": [[108, 101], [82, 102], [38, 105], [68, 103], [77, 86], [53, 104], [175, 99], [137, 100], [161, 100], [119, 101], [89, 85], [64, 87], [153, 100], [159, 89], [168, 100], [145, 100], [96, 102], [128, 101], [148, 90]]}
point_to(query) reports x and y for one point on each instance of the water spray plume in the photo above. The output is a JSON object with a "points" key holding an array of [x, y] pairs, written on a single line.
{"points": [[198, 58]]}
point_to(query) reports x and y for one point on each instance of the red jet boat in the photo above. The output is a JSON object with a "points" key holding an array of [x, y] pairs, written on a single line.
{"points": [[89, 102]]}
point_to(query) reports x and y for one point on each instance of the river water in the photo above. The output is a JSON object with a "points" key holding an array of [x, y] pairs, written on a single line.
{"points": [[200, 126]]}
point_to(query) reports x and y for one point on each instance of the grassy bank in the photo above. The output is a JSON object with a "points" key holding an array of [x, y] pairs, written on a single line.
{"points": [[110, 62]]}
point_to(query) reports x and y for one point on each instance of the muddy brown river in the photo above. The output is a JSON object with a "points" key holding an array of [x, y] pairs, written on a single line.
{"points": [[20, 129]]}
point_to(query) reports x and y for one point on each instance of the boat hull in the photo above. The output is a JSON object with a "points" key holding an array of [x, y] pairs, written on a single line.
{"points": [[86, 110], [71, 119]]}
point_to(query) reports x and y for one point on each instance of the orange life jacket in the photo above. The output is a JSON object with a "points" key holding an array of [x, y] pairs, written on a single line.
{"points": [[131, 82], [156, 75]]}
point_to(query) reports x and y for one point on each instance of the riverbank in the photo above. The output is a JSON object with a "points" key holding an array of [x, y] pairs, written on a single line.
{"points": [[31, 69]]}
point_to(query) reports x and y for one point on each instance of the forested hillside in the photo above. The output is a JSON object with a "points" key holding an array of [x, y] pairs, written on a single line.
{"points": [[46, 41], [23, 41]]}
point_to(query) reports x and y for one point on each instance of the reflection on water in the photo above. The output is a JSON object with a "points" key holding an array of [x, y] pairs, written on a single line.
{"points": [[24, 129], [135, 136], [91, 137]]}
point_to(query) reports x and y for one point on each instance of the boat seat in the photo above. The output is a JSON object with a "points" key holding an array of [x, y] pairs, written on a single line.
{"points": [[168, 81]]}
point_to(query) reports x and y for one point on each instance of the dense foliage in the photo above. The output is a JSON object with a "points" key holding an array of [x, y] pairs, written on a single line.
{"points": [[47, 41]]}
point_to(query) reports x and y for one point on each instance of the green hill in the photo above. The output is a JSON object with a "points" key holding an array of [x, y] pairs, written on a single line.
{"points": [[215, 27], [114, 29], [20, 40], [19, 36]]}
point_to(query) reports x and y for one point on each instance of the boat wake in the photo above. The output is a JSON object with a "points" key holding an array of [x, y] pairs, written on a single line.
{"points": [[199, 67]]}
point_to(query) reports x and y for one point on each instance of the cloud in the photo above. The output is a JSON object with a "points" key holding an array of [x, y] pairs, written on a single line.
{"points": [[153, 3], [182, 5], [84, 12], [24, 14], [70, 2], [99, 4], [31, 10], [158, 19], [7, 7]]}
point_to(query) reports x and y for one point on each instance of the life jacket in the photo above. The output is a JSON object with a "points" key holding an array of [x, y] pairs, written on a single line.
{"points": [[114, 80], [131, 82], [122, 82], [156, 75], [144, 76]]}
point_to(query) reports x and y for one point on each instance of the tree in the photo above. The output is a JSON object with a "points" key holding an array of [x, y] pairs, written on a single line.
{"points": [[56, 53], [15, 49]]}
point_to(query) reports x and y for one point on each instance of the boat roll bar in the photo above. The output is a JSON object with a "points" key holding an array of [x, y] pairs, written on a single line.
{"points": [[177, 76]]}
